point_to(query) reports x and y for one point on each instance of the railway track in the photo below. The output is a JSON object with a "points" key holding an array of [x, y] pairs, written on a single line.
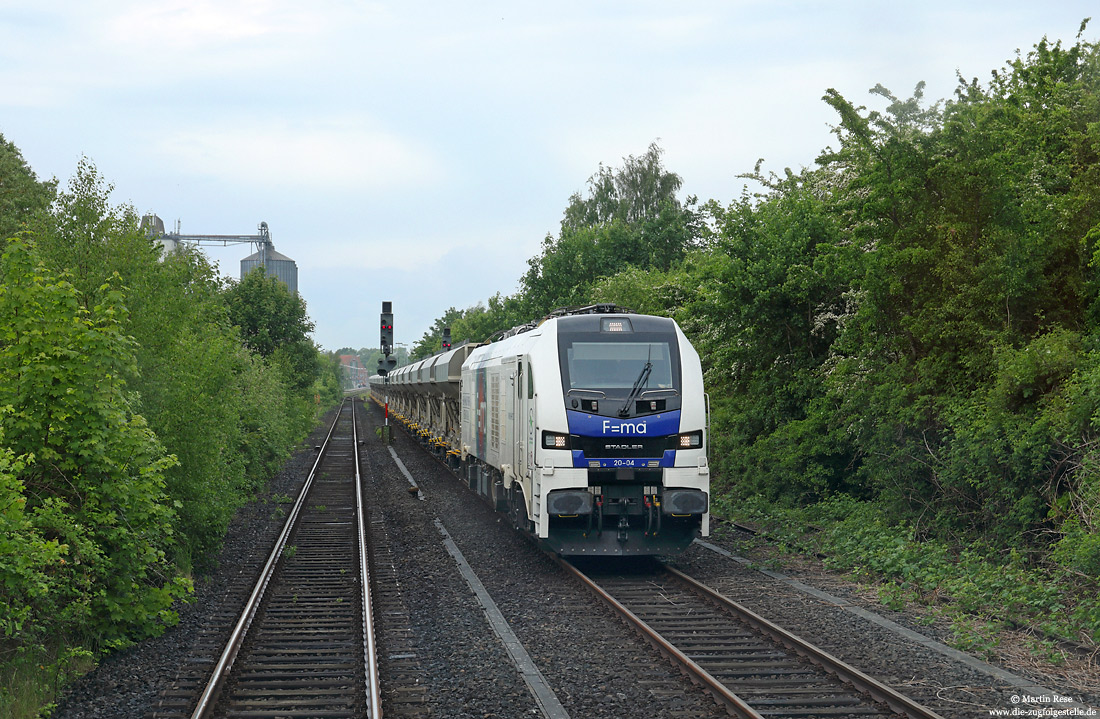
{"points": [[404, 681], [750, 665], [304, 644]]}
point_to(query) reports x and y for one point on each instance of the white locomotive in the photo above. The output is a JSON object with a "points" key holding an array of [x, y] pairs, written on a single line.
{"points": [[589, 428]]}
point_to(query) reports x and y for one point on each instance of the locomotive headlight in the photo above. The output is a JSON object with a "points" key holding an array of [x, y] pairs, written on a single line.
{"points": [[554, 440], [690, 440]]}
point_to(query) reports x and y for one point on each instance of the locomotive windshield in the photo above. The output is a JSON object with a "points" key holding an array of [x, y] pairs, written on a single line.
{"points": [[614, 368], [633, 361], [619, 365]]}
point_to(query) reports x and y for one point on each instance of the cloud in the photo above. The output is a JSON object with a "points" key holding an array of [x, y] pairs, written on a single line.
{"points": [[57, 52], [309, 154], [192, 26], [196, 25], [454, 252]]}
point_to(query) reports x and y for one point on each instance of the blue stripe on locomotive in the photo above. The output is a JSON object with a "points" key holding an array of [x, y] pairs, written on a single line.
{"points": [[591, 425]]}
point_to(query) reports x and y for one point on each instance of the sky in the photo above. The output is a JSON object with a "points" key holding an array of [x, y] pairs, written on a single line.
{"points": [[418, 152]]}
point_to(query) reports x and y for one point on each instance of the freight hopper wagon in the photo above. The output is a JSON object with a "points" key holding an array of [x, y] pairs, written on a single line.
{"points": [[589, 429]]}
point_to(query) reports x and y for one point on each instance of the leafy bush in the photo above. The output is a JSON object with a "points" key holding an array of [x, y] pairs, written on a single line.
{"points": [[94, 495], [971, 582], [28, 561], [133, 423]]}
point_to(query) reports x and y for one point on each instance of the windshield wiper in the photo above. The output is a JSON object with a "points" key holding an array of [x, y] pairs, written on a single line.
{"points": [[643, 377]]}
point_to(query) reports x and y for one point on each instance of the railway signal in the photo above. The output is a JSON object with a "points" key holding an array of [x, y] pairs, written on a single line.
{"points": [[387, 328], [386, 363]]}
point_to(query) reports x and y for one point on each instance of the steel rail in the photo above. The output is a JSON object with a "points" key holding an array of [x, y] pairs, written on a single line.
{"points": [[864, 683], [370, 653], [236, 639], [720, 691]]}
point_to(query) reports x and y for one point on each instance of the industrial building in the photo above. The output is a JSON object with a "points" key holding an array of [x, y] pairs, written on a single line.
{"points": [[275, 264]]}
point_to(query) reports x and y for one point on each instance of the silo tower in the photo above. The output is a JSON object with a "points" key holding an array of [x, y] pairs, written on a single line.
{"points": [[275, 264]]}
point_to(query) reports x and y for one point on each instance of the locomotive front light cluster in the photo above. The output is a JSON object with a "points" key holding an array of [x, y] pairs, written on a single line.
{"points": [[690, 440], [616, 324], [554, 440]]}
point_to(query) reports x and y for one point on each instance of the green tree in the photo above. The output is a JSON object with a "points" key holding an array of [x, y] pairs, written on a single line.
{"points": [[95, 491], [28, 561], [430, 342], [481, 322], [975, 231], [478, 323], [133, 419], [228, 416], [630, 218], [22, 196], [92, 240], [274, 324], [766, 328], [637, 192], [329, 383]]}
